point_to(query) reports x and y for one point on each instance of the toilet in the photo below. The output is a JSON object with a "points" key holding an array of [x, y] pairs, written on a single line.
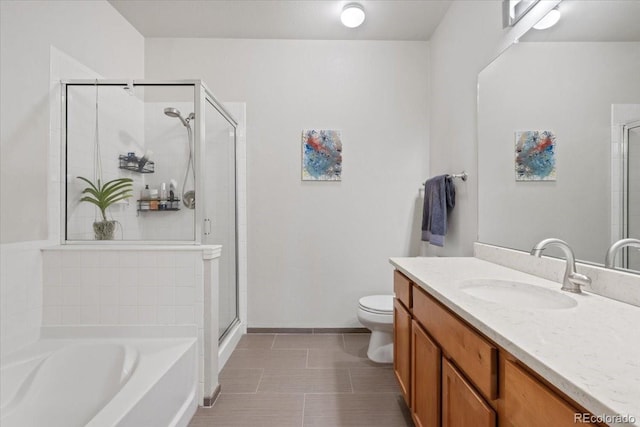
{"points": [[375, 312]]}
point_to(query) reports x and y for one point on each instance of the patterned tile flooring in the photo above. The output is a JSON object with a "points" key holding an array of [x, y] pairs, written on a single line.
{"points": [[308, 380]]}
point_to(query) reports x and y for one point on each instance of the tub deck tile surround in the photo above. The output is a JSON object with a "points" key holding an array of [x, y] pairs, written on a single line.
{"points": [[305, 380]]}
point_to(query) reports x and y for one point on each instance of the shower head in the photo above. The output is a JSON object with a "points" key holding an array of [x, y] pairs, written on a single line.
{"points": [[174, 112]]}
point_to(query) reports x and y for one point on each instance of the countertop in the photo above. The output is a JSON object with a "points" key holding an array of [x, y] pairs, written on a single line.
{"points": [[591, 351]]}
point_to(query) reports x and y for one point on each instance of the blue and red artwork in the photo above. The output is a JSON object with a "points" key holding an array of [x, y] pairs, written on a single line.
{"points": [[321, 155], [535, 155]]}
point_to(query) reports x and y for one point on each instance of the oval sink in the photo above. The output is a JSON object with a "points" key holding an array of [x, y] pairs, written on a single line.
{"points": [[517, 294]]}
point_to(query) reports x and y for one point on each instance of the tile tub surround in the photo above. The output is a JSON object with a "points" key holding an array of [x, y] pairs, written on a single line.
{"points": [[589, 352], [115, 284], [610, 283], [305, 379]]}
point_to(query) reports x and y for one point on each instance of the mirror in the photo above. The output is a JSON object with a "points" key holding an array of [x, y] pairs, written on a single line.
{"points": [[569, 94]]}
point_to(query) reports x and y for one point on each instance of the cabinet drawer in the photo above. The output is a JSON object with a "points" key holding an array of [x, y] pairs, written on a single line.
{"points": [[474, 355], [402, 288], [529, 403]]}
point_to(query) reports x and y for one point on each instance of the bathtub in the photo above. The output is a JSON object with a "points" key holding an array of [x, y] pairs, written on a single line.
{"points": [[100, 383]]}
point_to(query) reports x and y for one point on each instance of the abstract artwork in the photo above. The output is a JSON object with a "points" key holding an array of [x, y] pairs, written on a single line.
{"points": [[535, 155], [321, 155]]}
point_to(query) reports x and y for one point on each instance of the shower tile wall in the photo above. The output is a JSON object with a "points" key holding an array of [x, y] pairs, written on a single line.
{"points": [[126, 287], [167, 138]]}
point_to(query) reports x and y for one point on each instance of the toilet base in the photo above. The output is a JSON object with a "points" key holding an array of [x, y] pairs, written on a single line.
{"points": [[381, 347]]}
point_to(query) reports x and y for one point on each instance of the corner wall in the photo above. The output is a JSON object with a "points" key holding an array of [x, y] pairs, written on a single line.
{"points": [[315, 248], [463, 44], [93, 33]]}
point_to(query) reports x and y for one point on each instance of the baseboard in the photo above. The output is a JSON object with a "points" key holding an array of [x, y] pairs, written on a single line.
{"points": [[307, 330]]}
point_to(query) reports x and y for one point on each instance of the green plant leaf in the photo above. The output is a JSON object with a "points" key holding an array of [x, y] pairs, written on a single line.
{"points": [[105, 195]]}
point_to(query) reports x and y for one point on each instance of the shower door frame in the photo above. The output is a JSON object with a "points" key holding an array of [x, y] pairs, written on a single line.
{"points": [[200, 92], [201, 95], [204, 96], [625, 187]]}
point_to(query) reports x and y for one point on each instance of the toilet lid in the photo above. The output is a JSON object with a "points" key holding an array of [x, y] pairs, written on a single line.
{"points": [[377, 303]]}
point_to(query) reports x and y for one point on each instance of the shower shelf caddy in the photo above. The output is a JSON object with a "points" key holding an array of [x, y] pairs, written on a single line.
{"points": [[132, 163], [176, 201]]}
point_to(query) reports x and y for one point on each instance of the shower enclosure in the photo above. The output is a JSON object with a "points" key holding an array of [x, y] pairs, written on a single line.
{"points": [[177, 145]]}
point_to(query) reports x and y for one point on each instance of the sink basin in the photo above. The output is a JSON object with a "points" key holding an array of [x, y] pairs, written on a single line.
{"points": [[517, 294]]}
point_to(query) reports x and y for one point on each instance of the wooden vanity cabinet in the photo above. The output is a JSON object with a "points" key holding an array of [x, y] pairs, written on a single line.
{"points": [[452, 376], [526, 402], [402, 333]]}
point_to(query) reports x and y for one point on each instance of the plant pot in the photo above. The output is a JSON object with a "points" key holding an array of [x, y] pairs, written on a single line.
{"points": [[104, 229]]}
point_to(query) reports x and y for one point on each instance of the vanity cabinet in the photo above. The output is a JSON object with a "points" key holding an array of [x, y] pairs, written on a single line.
{"points": [[402, 334], [453, 376], [529, 403], [426, 360]]}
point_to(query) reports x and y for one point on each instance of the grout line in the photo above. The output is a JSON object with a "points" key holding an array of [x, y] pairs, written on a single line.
{"points": [[259, 381], [306, 363], [350, 380], [273, 343], [304, 406], [344, 343]]}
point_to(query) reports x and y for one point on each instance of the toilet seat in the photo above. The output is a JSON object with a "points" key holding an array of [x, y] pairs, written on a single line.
{"points": [[377, 304]]}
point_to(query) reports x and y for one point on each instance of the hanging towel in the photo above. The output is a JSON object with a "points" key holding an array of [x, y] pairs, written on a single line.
{"points": [[439, 200]]}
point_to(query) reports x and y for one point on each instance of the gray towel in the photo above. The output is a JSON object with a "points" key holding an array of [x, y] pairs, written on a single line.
{"points": [[439, 200]]}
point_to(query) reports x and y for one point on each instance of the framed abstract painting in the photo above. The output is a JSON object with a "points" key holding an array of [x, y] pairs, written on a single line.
{"points": [[321, 155], [535, 155]]}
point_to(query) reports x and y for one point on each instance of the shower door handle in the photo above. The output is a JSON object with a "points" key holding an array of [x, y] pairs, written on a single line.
{"points": [[207, 226]]}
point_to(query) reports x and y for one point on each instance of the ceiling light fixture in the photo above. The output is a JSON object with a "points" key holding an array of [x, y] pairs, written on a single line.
{"points": [[549, 20], [352, 15]]}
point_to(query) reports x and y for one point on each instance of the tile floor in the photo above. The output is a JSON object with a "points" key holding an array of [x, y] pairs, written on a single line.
{"points": [[305, 380]]}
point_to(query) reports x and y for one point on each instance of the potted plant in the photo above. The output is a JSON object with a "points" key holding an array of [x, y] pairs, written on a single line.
{"points": [[103, 196]]}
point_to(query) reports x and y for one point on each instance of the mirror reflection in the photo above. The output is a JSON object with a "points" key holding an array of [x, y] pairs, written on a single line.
{"points": [[558, 121]]}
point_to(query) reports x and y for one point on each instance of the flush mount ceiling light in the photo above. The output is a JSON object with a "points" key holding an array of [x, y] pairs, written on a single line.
{"points": [[352, 15], [549, 20]]}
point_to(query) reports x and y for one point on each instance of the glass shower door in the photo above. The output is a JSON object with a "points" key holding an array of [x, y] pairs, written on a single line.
{"points": [[219, 226]]}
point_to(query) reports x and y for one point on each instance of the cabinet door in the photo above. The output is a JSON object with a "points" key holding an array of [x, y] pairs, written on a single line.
{"points": [[402, 348], [529, 403], [425, 378], [462, 406]]}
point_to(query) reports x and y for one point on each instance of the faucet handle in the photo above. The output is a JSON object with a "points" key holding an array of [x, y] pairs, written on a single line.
{"points": [[579, 279]]}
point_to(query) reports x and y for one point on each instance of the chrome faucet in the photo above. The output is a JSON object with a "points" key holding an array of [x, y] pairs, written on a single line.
{"points": [[610, 258], [572, 280]]}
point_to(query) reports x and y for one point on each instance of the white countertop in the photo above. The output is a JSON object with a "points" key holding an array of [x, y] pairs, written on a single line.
{"points": [[591, 351]]}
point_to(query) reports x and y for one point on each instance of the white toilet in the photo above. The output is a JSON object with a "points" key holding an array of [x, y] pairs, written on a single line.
{"points": [[376, 313]]}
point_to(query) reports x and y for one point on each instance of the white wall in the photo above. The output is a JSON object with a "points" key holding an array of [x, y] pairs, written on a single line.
{"points": [[94, 34], [316, 247], [572, 98], [462, 45]]}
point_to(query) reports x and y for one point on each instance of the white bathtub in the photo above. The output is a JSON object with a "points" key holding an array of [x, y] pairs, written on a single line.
{"points": [[100, 383]]}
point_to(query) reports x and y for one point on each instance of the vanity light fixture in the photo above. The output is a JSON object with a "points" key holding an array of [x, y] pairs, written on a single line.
{"points": [[549, 20], [352, 15]]}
